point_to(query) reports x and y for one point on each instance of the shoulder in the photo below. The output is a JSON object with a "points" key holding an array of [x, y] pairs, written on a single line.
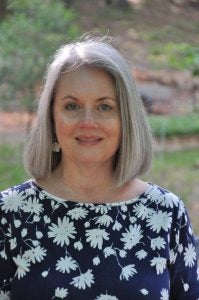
{"points": [[13, 197], [166, 202], [163, 196]]}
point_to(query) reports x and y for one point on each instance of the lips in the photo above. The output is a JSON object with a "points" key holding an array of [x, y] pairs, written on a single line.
{"points": [[88, 139]]}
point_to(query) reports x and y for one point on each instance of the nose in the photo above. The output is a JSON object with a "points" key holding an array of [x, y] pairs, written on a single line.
{"points": [[88, 119]]}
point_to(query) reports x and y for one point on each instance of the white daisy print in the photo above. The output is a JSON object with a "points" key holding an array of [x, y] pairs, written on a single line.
{"points": [[83, 240], [159, 263], [156, 195], [77, 213], [87, 224], [142, 211], [158, 243], [117, 226], [106, 297], [84, 280], [13, 243], [172, 256], [169, 200], [132, 219], [17, 223], [181, 209], [60, 293], [127, 272], [45, 273], [104, 220], [159, 220], [32, 206], [36, 218], [4, 295], [3, 254], [96, 260], [185, 286], [23, 266], [46, 219], [132, 236], [189, 255], [141, 254], [103, 209], [78, 245], [35, 254], [108, 251], [62, 232], [122, 253], [39, 234], [164, 294], [180, 248], [24, 232], [124, 208], [144, 292], [66, 264], [96, 237], [3, 221], [12, 201]]}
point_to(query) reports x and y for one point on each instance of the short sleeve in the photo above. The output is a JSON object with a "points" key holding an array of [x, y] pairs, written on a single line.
{"points": [[6, 265], [183, 261]]}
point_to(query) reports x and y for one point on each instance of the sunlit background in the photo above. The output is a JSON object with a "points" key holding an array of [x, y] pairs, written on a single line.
{"points": [[159, 39]]}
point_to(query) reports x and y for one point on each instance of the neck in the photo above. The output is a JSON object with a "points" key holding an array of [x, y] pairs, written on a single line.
{"points": [[85, 181]]}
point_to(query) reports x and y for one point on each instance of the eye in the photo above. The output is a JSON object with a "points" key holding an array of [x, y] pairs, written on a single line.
{"points": [[72, 106], [104, 107]]}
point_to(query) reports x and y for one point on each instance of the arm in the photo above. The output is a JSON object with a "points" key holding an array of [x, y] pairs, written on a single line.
{"points": [[183, 261], [6, 265]]}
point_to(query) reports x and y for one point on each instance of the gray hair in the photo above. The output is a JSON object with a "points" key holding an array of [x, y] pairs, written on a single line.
{"points": [[135, 151]]}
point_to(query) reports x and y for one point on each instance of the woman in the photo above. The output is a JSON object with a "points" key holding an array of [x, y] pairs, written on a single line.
{"points": [[86, 227]]}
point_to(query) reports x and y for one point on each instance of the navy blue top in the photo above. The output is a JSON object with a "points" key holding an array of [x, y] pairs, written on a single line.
{"points": [[51, 248]]}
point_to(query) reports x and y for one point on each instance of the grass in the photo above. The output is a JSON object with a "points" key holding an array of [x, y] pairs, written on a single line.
{"points": [[171, 125], [176, 171], [179, 172], [11, 168]]}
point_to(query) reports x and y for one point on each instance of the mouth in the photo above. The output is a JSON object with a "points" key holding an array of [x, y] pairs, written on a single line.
{"points": [[88, 140]]}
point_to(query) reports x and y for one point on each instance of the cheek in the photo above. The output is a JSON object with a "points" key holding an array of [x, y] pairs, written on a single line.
{"points": [[114, 129], [62, 127]]}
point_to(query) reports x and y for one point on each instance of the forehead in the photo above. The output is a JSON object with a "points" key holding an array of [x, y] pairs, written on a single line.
{"points": [[85, 76]]}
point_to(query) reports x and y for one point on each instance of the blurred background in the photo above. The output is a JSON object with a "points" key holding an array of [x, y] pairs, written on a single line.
{"points": [[160, 40]]}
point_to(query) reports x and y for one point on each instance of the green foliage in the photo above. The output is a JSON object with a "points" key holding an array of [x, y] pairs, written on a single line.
{"points": [[176, 171], [11, 169], [178, 56], [29, 36], [171, 125]]}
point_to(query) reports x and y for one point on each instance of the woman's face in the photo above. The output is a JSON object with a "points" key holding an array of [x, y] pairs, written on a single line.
{"points": [[86, 116]]}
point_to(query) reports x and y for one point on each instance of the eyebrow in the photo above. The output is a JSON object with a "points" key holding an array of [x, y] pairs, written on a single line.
{"points": [[100, 99], [69, 96]]}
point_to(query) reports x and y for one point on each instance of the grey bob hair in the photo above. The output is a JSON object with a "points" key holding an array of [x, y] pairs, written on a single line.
{"points": [[135, 151]]}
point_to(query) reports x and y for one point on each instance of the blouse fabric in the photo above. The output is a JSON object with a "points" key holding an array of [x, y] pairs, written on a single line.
{"points": [[51, 248]]}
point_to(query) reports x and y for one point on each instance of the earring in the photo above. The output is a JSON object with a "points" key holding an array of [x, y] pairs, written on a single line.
{"points": [[55, 147]]}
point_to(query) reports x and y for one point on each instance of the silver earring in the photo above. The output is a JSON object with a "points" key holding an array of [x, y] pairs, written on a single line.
{"points": [[55, 147]]}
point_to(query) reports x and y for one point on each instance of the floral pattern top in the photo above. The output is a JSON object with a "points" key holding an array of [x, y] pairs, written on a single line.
{"points": [[51, 248]]}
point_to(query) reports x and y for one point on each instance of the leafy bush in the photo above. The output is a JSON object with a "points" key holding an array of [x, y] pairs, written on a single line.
{"points": [[178, 56], [29, 36], [174, 125], [11, 167]]}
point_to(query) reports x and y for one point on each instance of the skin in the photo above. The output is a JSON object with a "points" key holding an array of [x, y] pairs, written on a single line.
{"points": [[88, 129], [87, 118]]}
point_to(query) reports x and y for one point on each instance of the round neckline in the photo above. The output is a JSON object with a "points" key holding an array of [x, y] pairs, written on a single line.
{"points": [[116, 203]]}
